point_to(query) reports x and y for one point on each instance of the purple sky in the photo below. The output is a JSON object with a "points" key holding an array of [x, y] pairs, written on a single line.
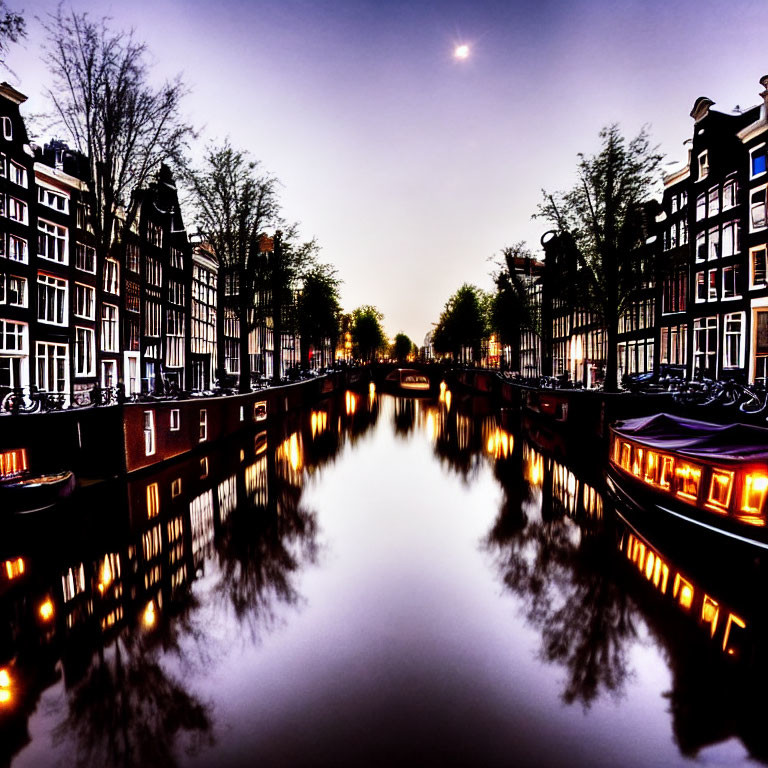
{"points": [[410, 167]]}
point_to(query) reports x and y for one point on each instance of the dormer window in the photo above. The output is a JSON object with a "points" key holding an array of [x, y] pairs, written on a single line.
{"points": [[703, 165], [7, 128]]}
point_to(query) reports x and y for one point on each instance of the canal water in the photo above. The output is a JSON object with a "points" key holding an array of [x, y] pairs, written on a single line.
{"points": [[375, 581]]}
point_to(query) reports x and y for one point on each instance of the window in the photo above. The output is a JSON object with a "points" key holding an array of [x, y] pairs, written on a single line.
{"points": [[731, 281], [153, 272], [757, 161], [703, 165], [176, 292], [132, 258], [83, 217], [701, 207], [13, 336], [111, 276], [175, 420], [730, 191], [3, 164], [17, 249], [712, 291], [733, 342], [52, 242], [701, 287], [7, 128], [84, 301], [17, 210], [51, 299], [683, 231], [155, 234], [56, 200], [17, 174], [757, 216], [174, 350], [674, 292], [132, 296], [177, 260], [714, 243], [85, 258], [13, 290], [714, 201], [151, 318], [52, 367], [701, 246], [730, 240], [203, 425], [759, 266], [85, 351], [674, 342], [705, 344], [149, 433], [673, 203], [109, 329]]}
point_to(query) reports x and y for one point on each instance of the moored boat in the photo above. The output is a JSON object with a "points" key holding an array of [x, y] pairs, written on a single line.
{"points": [[23, 492], [408, 380], [712, 475]]}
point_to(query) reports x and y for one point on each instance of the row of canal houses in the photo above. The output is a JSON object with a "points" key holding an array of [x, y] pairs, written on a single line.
{"points": [[704, 306], [150, 316]]}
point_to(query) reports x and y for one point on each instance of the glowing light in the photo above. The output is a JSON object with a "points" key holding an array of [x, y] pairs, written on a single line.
{"points": [[5, 695], [710, 611], [687, 477], [14, 568], [683, 591], [448, 400], [350, 400], [431, 429], [149, 616], [106, 575], [755, 487], [732, 619], [5, 678], [461, 52], [372, 388], [46, 610], [294, 452], [720, 490]]}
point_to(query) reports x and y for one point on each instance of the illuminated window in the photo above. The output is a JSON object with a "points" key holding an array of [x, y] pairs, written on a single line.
{"points": [[687, 477], [710, 612], [753, 497], [720, 486], [682, 591]]}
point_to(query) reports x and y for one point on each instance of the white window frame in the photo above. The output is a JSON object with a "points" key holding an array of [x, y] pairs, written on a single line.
{"points": [[16, 171], [149, 433], [203, 425], [713, 244], [710, 284], [89, 336], [52, 198], [733, 228], [701, 206], [60, 235], [111, 281], [61, 294], [731, 184], [761, 149], [740, 316], [7, 128], [14, 240], [81, 289], [764, 283], [701, 280], [714, 192], [19, 209], [175, 420], [764, 189], [42, 359], [83, 254], [5, 279], [110, 328]]}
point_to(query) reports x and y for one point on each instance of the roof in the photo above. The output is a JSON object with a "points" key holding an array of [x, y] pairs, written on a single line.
{"points": [[724, 443]]}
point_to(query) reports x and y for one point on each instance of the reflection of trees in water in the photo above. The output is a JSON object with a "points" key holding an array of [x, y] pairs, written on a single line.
{"points": [[128, 710], [458, 443], [571, 594], [262, 548], [404, 415]]}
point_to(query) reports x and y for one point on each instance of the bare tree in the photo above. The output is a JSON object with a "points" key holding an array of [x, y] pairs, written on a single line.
{"points": [[12, 28], [102, 99], [235, 202]]}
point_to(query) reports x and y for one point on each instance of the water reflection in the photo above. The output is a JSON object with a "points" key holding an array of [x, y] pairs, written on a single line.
{"points": [[114, 619]]}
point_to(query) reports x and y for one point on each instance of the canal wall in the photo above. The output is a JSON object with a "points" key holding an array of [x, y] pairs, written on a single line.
{"points": [[106, 441]]}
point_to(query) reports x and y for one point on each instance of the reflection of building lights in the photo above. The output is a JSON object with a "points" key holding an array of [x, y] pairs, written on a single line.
{"points": [[350, 400], [5, 686], [710, 612], [46, 609], [431, 427], [499, 443], [294, 451], [683, 591], [447, 399], [149, 616], [732, 619]]}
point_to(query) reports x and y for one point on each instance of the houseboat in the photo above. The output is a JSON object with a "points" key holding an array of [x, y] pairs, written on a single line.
{"points": [[713, 476], [407, 380]]}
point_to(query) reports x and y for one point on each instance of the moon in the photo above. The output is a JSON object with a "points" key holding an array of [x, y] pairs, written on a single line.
{"points": [[461, 52]]}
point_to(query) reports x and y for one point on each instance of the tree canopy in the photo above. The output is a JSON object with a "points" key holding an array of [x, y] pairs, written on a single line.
{"points": [[402, 346], [318, 309], [368, 335], [605, 217], [462, 324]]}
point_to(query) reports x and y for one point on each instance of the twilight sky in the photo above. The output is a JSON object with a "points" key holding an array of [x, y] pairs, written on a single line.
{"points": [[413, 168]]}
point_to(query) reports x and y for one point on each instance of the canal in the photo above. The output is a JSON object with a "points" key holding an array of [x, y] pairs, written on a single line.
{"points": [[375, 581]]}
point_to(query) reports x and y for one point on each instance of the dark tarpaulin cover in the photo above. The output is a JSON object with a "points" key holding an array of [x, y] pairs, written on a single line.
{"points": [[722, 443]]}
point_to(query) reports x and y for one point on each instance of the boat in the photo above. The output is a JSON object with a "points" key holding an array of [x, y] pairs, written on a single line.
{"points": [[408, 379], [712, 476], [22, 491]]}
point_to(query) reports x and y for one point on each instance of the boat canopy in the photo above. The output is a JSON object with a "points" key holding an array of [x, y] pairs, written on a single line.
{"points": [[722, 443]]}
